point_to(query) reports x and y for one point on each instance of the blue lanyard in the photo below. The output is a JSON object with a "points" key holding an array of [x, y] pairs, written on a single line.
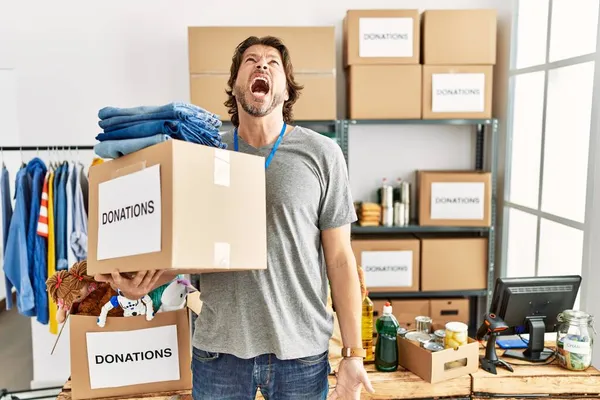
{"points": [[273, 151]]}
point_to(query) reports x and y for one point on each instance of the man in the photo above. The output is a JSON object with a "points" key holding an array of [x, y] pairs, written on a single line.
{"points": [[270, 329]]}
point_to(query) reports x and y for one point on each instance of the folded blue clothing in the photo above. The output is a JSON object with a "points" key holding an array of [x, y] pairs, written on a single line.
{"points": [[108, 112], [119, 148], [180, 113], [196, 132]]}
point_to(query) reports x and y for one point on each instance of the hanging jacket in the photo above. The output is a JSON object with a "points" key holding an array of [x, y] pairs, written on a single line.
{"points": [[7, 212], [61, 219], [78, 240], [16, 261], [70, 191], [36, 249], [52, 307], [41, 256]]}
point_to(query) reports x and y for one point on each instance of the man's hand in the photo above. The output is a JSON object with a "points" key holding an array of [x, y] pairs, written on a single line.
{"points": [[350, 377], [138, 286]]}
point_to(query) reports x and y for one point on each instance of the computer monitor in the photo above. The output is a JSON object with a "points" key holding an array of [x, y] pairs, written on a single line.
{"points": [[534, 303]]}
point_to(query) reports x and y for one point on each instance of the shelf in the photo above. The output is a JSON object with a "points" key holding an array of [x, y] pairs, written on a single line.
{"points": [[376, 230], [428, 295], [486, 121]]}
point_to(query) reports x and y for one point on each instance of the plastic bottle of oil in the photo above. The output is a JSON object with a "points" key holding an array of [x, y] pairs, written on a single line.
{"points": [[367, 328], [386, 350]]}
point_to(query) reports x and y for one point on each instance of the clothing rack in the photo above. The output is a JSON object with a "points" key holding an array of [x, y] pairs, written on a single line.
{"points": [[36, 148]]}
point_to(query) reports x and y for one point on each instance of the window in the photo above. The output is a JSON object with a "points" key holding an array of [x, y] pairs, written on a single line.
{"points": [[551, 80]]}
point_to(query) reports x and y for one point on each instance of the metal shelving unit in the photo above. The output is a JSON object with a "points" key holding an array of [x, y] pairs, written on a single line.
{"points": [[486, 131]]}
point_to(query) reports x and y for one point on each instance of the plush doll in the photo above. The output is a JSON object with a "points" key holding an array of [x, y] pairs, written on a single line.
{"points": [[174, 296], [131, 308], [73, 288]]}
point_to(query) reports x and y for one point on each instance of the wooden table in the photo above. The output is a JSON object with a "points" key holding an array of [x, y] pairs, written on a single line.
{"points": [[527, 381]]}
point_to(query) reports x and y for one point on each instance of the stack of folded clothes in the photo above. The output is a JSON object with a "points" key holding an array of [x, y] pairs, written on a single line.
{"points": [[369, 214], [127, 130]]}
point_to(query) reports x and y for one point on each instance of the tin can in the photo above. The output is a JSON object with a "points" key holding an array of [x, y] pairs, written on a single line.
{"points": [[387, 216], [399, 214], [432, 346], [419, 337], [423, 324], [402, 332], [439, 336]]}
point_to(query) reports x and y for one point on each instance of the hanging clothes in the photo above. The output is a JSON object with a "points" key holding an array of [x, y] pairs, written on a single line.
{"points": [[16, 257], [78, 240], [70, 192], [52, 306], [7, 212], [36, 171]]}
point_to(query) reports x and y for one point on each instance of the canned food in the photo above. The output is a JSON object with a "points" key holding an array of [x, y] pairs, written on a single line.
{"points": [[419, 337], [433, 346], [439, 336], [402, 331]]}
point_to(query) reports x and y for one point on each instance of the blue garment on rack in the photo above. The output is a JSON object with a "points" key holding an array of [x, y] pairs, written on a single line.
{"points": [[195, 131], [119, 148], [61, 219], [36, 244], [7, 213], [16, 265], [116, 118], [78, 239]]}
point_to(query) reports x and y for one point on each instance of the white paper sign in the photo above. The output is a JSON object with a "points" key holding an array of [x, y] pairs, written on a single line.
{"points": [[576, 347], [460, 92], [385, 37], [388, 268], [126, 358], [457, 200], [129, 214]]}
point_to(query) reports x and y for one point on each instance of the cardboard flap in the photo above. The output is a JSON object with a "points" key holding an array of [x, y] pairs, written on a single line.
{"points": [[129, 169]]}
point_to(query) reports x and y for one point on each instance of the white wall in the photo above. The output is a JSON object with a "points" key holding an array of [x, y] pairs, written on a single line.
{"points": [[72, 58]]}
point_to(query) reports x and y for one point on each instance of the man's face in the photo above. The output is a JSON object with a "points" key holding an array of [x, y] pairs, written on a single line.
{"points": [[261, 84]]}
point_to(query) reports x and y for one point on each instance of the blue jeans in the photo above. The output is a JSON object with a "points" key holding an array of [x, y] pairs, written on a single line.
{"points": [[119, 148], [226, 377]]}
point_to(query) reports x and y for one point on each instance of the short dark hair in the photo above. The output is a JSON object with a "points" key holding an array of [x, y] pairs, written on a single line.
{"points": [[293, 87]]}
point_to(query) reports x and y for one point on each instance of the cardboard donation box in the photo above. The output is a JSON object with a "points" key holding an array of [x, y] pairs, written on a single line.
{"points": [[389, 265], [454, 198], [438, 366], [312, 51], [130, 355], [382, 37], [457, 91], [459, 37], [179, 206]]}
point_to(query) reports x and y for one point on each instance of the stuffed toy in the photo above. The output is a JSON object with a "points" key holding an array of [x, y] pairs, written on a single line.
{"points": [[74, 291], [131, 308], [175, 295]]}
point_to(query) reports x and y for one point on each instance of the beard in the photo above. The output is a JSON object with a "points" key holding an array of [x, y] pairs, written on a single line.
{"points": [[257, 109]]}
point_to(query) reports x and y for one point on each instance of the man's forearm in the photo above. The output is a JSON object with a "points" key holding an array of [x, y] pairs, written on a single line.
{"points": [[346, 296]]}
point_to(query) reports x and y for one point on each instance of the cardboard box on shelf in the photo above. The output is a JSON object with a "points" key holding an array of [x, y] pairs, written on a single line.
{"points": [[453, 263], [443, 311], [180, 206], [130, 355], [454, 198], [389, 265], [384, 91], [317, 99], [459, 37], [314, 68], [382, 37], [457, 91], [438, 366]]}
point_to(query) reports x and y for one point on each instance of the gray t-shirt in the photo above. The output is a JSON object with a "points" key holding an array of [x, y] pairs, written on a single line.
{"points": [[282, 310]]}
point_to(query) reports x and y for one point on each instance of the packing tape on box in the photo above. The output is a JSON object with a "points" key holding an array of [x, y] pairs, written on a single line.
{"points": [[129, 169], [222, 167], [222, 251]]}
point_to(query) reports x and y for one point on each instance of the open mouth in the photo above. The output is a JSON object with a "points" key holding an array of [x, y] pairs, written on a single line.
{"points": [[259, 86]]}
